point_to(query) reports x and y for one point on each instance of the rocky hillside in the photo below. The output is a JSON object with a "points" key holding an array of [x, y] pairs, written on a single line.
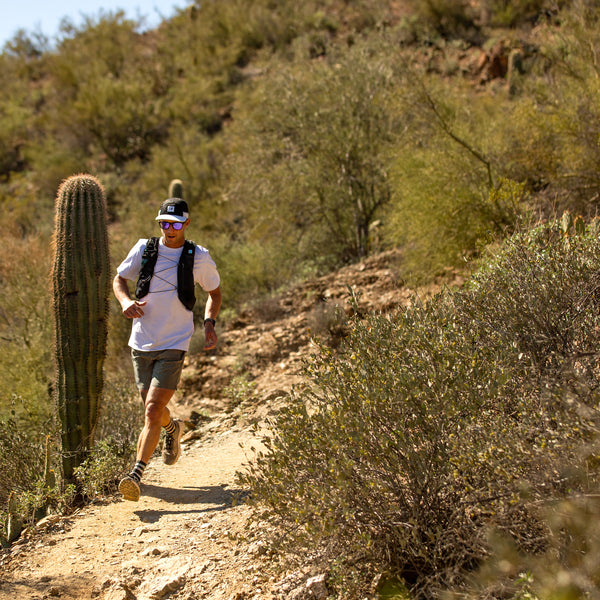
{"points": [[266, 344]]}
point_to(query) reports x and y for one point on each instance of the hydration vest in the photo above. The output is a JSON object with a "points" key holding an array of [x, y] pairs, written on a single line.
{"points": [[185, 272]]}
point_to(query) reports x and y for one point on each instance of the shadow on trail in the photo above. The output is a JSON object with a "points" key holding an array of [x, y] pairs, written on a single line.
{"points": [[40, 588], [216, 498]]}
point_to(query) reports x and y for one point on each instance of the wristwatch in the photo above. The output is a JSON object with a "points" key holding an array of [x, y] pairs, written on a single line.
{"points": [[209, 320]]}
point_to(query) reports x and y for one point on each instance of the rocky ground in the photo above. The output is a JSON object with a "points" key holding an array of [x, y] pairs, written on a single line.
{"points": [[190, 535]]}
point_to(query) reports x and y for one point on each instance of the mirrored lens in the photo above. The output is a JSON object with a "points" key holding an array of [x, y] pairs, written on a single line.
{"points": [[167, 224]]}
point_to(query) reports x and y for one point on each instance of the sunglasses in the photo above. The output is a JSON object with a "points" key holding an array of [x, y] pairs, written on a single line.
{"points": [[167, 224]]}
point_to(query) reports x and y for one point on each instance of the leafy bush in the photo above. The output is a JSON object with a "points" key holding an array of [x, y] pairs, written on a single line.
{"points": [[511, 13], [29, 457], [555, 124], [428, 427], [448, 18], [308, 164], [99, 474], [21, 457], [25, 329], [452, 189], [567, 569], [26, 407]]}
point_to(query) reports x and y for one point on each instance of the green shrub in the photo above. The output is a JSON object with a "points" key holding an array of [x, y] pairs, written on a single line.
{"points": [[448, 18], [556, 123], [27, 470], [307, 165], [511, 13], [21, 456], [452, 185], [99, 474], [239, 390], [567, 569], [25, 329], [426, 428]]}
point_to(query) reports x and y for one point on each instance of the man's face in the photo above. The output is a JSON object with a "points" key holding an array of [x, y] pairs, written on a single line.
{"points": [[173, 238]]}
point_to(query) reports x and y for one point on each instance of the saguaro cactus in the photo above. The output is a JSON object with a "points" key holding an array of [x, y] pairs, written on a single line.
{"points": [[176, 189], [81, 284]]}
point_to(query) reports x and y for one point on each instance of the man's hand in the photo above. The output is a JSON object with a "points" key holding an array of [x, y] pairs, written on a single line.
{"points": [[133, 309], [210, 336]]}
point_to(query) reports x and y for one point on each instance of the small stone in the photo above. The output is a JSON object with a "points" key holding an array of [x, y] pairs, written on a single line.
{"points": [[49, 520], [317, 587], [162, 586]]}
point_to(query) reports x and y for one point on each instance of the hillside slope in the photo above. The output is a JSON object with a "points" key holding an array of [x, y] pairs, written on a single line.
{"points": [[190, 536]]}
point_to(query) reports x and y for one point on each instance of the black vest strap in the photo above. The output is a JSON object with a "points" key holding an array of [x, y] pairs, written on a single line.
{"points": [[185, 272], [149, 258], [185, 275]]}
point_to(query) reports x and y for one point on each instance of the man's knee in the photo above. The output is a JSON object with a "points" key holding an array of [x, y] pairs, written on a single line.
{"points": [[156, 403], [154, 410]]}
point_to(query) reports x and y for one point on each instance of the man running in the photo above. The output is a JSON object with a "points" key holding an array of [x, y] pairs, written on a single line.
{"points": [[166, 270]]}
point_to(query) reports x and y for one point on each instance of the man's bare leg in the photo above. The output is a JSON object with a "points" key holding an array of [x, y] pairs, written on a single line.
{"points": [[157, 415]]}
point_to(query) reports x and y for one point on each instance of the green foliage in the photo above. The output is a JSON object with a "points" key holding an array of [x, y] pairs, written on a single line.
{"points": [[29, 457], [567, 568], [556, 119], [511, 13], [295, 126], [21, 456], [311, 166], [13, 123], [28, 489], [117, 435], [452, 190], [99, 473], [80, 287], [392, 589], [106, 96], [428, 427], [39, 500], [448, 18], [25, 330], [240, 390]]}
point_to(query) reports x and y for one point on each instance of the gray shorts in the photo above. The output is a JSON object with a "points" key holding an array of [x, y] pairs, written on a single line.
{"points": [[160, 368]]}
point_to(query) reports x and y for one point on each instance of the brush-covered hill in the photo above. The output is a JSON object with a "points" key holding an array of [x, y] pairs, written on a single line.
{"points": [[190, 536]]}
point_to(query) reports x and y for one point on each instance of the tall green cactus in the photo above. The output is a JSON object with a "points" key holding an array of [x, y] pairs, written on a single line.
{"points": [[81, 285], [176, 189]]}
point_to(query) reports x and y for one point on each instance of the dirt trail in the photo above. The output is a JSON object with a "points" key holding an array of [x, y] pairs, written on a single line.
{"points": [[183, 539], [189, 537]]}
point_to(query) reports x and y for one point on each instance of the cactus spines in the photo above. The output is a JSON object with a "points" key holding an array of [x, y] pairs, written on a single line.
{"points": [[80, 292], [566, 222], [14, 525], [176, 189], [49, 477], [579, 225]]}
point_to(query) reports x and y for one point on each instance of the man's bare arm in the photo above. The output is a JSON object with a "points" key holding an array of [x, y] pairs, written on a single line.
{"points": [[131, 308], [211, 311]]}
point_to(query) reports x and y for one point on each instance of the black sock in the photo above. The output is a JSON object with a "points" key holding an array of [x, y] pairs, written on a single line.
{"points": [[170, 428], [138, 470]]}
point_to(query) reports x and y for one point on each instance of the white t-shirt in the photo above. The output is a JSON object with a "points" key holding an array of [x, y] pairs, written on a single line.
{"points": [[167, 324]]}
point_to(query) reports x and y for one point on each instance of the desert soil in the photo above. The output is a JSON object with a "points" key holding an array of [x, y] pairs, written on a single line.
{"points": [[190, 535]]}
